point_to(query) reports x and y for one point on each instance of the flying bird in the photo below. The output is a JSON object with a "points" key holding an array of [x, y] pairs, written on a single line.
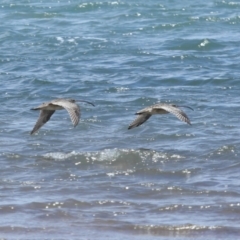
{"points": [[47, 110], [159, 108]]}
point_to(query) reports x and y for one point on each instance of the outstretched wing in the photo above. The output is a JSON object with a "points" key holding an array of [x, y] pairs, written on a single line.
{"points": [[44, 116], [72, 108], [140, 120], [176, 111]]}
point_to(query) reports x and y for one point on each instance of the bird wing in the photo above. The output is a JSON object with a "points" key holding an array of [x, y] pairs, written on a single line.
{"points": [[145, 110], [72, 108], [140, 120], [174, 110], [43, 105], [44, 116]]}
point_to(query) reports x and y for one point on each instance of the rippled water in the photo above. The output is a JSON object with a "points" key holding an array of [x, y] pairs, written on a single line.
{"points": [[164, 179]]}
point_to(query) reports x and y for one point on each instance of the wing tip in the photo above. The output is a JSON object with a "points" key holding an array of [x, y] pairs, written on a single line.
{"points": [[74, 125], [32, 132]]}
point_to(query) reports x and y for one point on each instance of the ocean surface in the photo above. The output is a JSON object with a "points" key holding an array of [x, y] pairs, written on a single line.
{"points": [[162, 180]]}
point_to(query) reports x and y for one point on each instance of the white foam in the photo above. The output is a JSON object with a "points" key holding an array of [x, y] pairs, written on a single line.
{"points": [[59, 155], [60, 39]]}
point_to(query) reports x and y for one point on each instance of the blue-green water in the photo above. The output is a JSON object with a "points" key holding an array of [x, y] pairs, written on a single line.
{"points": [[162, 180]]}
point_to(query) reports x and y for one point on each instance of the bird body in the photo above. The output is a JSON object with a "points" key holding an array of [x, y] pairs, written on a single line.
{"points": [[159, 108], [47, 110]]}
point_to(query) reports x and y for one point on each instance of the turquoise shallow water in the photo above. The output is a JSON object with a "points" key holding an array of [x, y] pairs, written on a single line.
{"points": [[164, 179]]}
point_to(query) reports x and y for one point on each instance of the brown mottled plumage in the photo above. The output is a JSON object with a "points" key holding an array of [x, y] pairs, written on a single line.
{"points": [[159, 108], [48, 109]]}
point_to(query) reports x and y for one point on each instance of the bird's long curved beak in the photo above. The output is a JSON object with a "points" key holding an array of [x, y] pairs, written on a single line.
{"points": [[86, 102], [186, 107]]}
